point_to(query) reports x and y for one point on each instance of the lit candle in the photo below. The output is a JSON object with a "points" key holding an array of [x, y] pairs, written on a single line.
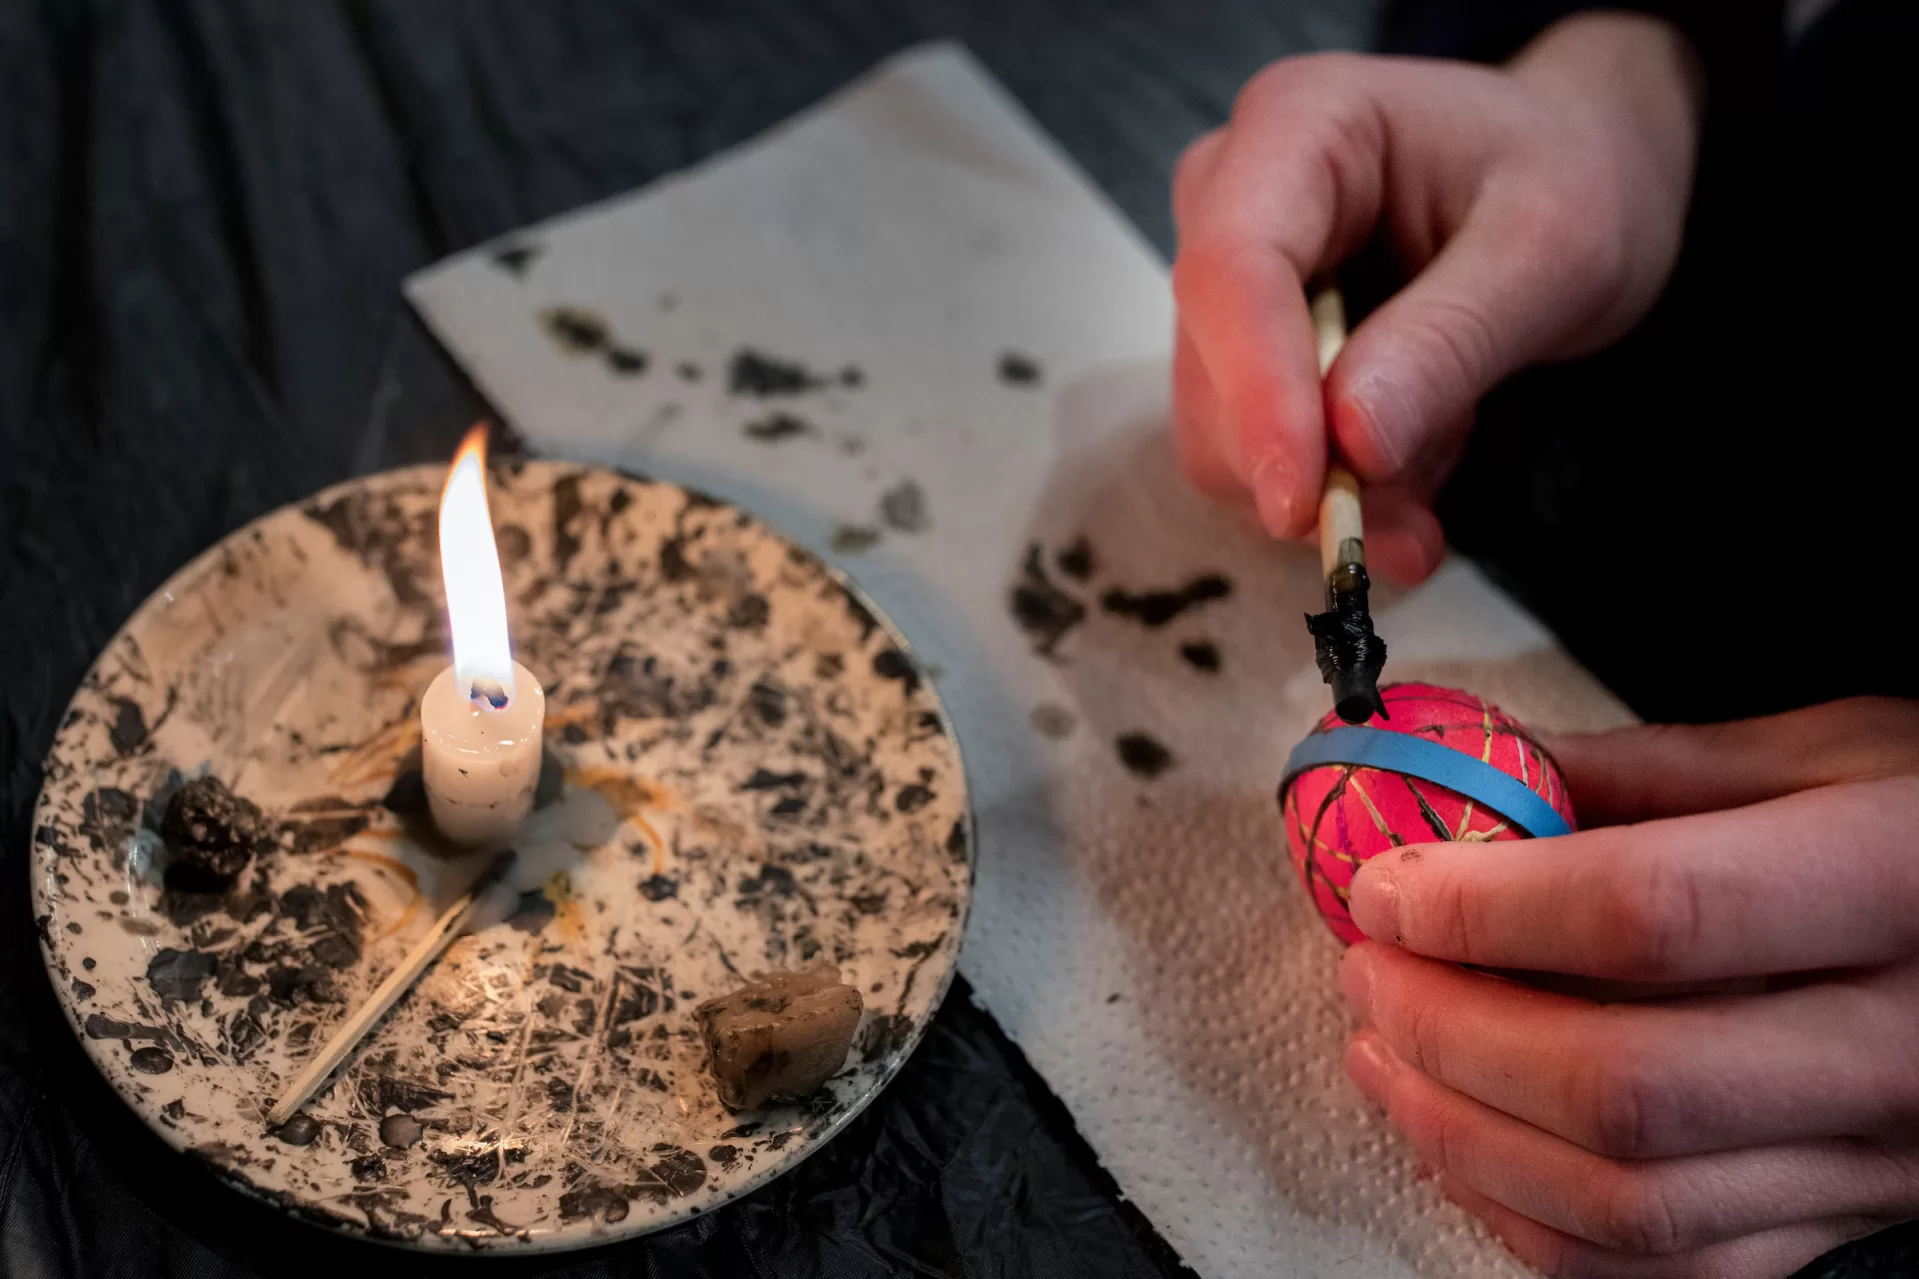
{"points": [[481, 717]]}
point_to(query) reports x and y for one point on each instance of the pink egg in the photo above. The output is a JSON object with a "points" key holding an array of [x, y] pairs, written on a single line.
{"points": [[1340, 814]]}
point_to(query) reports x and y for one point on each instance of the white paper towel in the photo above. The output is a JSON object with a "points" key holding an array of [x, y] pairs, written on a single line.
{"points": [[1142, 940]]}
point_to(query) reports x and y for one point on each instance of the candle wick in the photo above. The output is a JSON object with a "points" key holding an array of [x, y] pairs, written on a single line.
{"points": [[490, 691]]}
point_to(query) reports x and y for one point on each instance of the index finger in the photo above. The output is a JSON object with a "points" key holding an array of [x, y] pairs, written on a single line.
{"points": [[1242, 303], [1291, 186], [1820, 879]]}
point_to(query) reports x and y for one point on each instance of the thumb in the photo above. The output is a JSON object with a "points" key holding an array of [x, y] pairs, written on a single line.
{"points": [[1508, 289]]}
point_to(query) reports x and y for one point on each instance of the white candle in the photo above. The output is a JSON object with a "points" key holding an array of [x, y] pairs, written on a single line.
{"points": [[481, 764], [481, 718]]}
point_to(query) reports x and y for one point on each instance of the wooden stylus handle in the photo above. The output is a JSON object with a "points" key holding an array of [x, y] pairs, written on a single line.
{"points": [[1340, 528]]}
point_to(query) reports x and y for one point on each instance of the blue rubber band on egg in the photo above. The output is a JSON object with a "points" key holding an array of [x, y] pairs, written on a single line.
{"points": [[1429, 761]]}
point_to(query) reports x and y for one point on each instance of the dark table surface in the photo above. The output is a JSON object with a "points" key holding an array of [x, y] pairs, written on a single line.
{"points": [[205, 212]]}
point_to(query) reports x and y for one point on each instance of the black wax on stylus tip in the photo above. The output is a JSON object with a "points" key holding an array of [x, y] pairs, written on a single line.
{"points": [[1349, 652], [1356, 696]]}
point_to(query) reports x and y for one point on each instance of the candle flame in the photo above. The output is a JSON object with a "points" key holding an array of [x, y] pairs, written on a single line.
{"points": [[475, 592]]}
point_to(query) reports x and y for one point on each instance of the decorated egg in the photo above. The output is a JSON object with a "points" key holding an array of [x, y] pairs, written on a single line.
{"points": [[1443, 765]]}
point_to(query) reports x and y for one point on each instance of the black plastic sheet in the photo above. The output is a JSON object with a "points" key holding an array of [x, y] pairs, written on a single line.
{"points": [[206, 207]]}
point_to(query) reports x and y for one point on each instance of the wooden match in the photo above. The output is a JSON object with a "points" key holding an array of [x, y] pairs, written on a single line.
{"points": [[451, 923]]}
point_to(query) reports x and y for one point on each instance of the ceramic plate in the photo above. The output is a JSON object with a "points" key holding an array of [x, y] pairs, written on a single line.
{"points": [[756, 777]]}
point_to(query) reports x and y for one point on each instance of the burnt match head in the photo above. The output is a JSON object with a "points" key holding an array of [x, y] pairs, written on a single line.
{"points": [[1350, 654]]}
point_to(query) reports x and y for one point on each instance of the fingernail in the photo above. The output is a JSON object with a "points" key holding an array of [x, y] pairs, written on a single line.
{"points": [[1272, 484], [1390, 418], [1374, 902], [1371, 1065], [1356, 982]]}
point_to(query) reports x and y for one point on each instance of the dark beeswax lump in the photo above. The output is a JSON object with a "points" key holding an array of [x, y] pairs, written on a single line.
{"points": [[780, 1037], [211, 834]]}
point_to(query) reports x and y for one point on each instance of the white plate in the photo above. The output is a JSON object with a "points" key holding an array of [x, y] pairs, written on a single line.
{"points": [[786, 790]]}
